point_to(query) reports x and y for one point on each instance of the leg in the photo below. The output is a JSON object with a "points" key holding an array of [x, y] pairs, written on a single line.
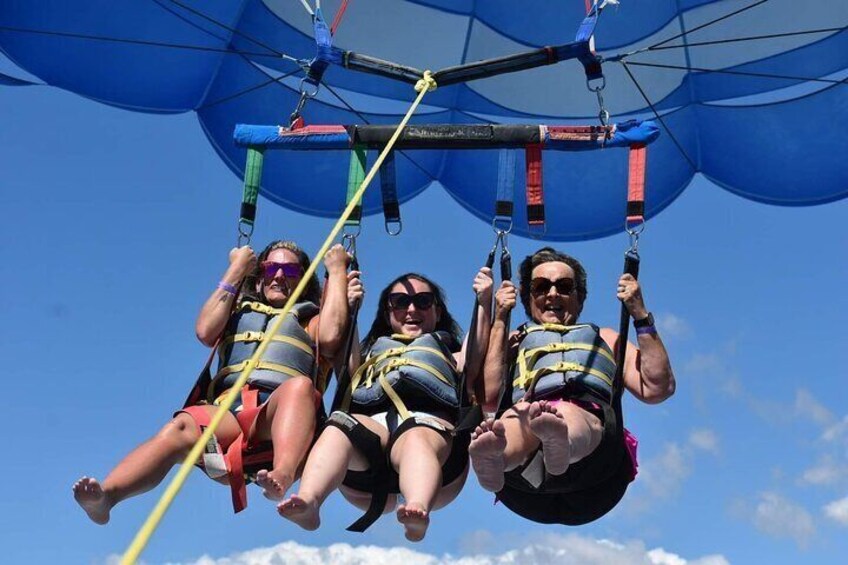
{"points": [[325, 470], [418, 456], [147, 464], [288, 420]]}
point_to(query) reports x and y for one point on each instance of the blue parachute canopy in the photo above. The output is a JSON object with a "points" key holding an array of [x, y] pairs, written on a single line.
{"points": [[750, 93]]}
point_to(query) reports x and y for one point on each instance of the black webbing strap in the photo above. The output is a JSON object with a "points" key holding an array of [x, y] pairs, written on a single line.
{"points": [[369, 444], [631, 266], [388, 189]]}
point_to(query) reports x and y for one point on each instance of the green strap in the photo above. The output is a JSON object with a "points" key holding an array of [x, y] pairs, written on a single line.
{"points": [[355, 176], [252, 181]]}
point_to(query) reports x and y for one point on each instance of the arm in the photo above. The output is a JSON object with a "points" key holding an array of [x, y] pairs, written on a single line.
{"points": [[355, 294], [647, 370], [216, 311], [499, 348], [472, 361], [329, 328]]}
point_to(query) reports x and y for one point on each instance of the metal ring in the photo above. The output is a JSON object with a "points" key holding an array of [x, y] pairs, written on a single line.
{"points": [[603, 84], [398, 223], [305, 92], [497, 229], [347, 234]]}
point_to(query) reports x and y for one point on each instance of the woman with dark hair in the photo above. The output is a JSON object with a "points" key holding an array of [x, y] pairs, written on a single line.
{"points": [[560, 453], [280, 402], [404, 400]]}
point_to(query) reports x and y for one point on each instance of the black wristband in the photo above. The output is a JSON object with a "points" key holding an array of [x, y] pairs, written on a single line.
{"points": [[644, 322]]}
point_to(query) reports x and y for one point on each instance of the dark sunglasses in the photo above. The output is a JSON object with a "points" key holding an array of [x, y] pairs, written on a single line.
{"points": [[290, 270], [542, 286], [421, 300]]}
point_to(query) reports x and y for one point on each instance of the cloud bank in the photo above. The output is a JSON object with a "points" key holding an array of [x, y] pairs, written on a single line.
{"points": [[569, 549]]}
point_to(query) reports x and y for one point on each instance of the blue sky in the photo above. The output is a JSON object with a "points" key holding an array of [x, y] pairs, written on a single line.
{"points": [[117, 226]]}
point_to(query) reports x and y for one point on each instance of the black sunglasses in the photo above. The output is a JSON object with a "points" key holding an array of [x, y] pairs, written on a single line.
{"points": [[421, 300], [541, 286]]}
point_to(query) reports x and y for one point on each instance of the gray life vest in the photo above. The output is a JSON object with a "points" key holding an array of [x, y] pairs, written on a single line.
{"points": [[290, 353], [553, 358], [420, 373]]}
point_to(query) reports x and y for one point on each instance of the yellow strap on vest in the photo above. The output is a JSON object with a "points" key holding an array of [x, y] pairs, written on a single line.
{"points": [[143, 536], [259, 336], [261, 308], [402, 411], [369, 363], [259, 365], [522, 382]]}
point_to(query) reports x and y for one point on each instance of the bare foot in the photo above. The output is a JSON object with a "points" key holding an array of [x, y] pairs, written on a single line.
{"points": [[488, 442], [89, 494], [273, 486], [415, 520], [304, 514], [549, 426]]}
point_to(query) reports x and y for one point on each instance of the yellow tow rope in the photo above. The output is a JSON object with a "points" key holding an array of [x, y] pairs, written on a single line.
{"points": [[143, 536]]}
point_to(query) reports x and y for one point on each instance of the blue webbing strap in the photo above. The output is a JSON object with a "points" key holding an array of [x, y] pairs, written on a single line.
{"points": [[324, 49], [506, 189], [388, 188]]}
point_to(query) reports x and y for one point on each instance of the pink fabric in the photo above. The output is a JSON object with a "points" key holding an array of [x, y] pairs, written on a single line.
{"points": [[631, 443]]}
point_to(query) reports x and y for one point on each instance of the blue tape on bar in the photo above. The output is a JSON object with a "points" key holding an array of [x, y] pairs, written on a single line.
{"points": [[275, 137]]}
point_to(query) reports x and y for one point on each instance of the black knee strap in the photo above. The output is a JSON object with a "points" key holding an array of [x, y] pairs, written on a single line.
{"points": [[369, 444]]}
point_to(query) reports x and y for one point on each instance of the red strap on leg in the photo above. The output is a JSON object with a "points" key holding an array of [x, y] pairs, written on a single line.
{"points": [[535, 196]]}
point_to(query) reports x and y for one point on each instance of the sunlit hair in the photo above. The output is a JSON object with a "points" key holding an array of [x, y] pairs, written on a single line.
{"points": [[548, 255], [254, 280], [381, 327]]}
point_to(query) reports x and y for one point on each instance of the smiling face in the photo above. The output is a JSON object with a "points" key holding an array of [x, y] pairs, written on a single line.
{"points": [[550, 299], [274, 285], [405, 316]]}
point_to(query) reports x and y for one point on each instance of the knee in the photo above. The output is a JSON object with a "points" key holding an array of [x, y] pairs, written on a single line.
{"points": [[182, 431], [298, 386]]}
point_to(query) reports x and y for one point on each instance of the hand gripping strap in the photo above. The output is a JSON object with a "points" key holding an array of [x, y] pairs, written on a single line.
{"points": [[369, 444]]}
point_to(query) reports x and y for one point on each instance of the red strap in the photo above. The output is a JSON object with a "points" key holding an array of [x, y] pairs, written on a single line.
{"points": [[636, 184], [338, 19], [535, 196]]}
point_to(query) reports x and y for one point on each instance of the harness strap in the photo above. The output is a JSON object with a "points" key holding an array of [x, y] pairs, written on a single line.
{"points": [[528, 357], [534, 376], [369, 444], [259, 365], [535, 196], [253, 336], [636, 184], [388, 190], [355, 176]]}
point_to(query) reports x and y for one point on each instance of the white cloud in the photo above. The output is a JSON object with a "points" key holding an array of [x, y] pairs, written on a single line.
{"points": [[781, 518], [673, 326], [571, 549], [838, 510], [836, 431], [705, 440], [664, 474], [807, 406], [826, 472]]}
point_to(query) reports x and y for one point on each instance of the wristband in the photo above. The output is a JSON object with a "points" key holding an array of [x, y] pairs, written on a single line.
{"points": [[646, 330], [228, 288]]}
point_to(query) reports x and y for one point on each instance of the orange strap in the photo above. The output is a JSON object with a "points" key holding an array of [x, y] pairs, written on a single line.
{"points": [[636, 184]]}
